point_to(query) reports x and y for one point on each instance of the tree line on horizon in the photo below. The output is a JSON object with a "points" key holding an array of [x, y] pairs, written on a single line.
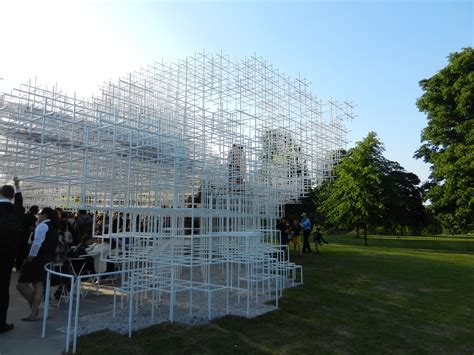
{"points": [[370, 193]]}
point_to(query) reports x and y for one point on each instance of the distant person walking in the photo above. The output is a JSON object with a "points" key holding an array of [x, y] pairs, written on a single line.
{"points": [[306, 225], [318, 237]]}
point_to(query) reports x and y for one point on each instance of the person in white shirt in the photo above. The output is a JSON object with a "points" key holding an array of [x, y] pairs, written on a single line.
{"points": [[99, 252], [42, 252]]}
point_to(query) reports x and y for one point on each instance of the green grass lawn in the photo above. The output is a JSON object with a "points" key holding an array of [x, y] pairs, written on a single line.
{"points": [[362, 300]]}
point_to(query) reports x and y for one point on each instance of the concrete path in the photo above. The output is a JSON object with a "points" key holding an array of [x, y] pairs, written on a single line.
{"points": [[25, 338]]}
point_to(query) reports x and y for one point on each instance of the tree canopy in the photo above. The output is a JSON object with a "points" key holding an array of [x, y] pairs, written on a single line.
{"points": [[403, 199], [448, 140], [370, 190], [355, 197]]}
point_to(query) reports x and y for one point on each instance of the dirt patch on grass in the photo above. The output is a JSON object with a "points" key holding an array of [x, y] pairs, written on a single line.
{"points": [[390, 287], [425, 290], [344, 332]]}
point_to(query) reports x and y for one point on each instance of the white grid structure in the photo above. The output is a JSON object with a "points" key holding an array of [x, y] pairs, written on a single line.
{"points": [[196, 158]]}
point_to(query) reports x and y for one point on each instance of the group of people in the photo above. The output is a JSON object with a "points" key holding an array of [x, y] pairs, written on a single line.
{"points": [[291, 233], [28, 241]]}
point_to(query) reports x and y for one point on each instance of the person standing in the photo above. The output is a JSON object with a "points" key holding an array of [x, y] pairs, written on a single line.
{"points": [[43, 251], [10, 233], [296, 236], [28, 224], [306, 225], [284, 228], [82, 227]]}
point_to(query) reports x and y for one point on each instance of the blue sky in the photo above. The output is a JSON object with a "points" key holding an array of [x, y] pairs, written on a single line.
{"points": [[372, 52]]}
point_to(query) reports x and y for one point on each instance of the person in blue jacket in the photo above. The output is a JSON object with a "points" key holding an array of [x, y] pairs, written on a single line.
{"points": [[306, 225]]}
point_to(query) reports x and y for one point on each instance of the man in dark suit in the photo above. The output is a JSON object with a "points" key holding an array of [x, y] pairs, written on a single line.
{"points": [[28, 223], [10, 232]]}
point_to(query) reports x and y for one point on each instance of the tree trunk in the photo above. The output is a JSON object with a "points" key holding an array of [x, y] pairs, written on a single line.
{"points": [[365, 234], [358, 232]]}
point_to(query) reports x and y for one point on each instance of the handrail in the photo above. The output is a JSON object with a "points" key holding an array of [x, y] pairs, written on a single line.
{"points": [[46, 300], [74, 288]]}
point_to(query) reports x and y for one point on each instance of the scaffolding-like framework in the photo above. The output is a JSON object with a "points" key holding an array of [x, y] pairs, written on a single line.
{"points": [[195, 158]]}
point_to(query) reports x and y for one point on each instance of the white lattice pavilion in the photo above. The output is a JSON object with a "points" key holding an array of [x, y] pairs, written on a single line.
{"points": [[197, 158]]}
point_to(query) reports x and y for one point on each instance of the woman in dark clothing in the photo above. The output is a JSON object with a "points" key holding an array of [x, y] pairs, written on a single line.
{"points": [[296, 239], [28, 224], [283, 227], [65, 227], [42, 251]]}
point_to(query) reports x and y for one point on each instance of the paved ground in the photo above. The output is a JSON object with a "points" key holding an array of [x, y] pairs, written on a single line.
{"points": [[25, 338]]}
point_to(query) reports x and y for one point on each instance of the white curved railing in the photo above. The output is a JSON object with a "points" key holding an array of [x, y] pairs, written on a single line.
{"points": [[74, 291]]}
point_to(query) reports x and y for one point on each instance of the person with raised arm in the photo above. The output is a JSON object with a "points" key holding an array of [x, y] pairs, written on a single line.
{"points": [[11, 210]]}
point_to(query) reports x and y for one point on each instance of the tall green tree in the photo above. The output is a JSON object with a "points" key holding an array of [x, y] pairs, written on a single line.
{"points": [[404, 200], [318, 195], [448, 140], [356, 198]]}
